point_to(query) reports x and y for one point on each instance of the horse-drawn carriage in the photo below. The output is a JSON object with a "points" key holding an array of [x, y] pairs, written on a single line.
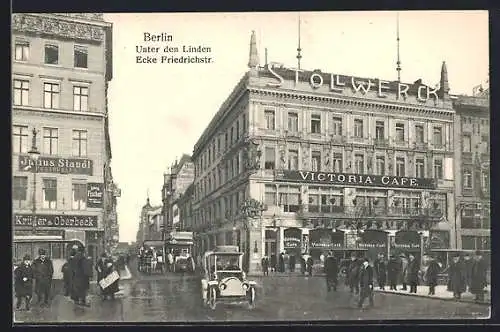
{"points": [[224, 280], [152, 257]]}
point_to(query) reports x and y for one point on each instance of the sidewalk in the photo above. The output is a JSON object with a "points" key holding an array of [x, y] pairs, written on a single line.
{"points": [[441, 293]]}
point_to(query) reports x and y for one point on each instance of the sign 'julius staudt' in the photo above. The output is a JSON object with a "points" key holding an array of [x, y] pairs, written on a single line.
{"points": [[56, 165]]}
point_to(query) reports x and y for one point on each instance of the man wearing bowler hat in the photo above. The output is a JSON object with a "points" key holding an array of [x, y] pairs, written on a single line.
{"points": [[43, 270]]}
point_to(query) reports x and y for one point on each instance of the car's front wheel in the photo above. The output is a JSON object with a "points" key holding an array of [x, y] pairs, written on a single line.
{"points": [[212, 302], [251, 298]]}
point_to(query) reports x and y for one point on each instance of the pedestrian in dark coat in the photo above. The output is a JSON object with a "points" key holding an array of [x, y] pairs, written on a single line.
{"points": [[365, 283], [273, 263], [291, 261], [281, 263], [431, 275], [413, 268], [265, 265], [80, 277], [108, 268], [43, 270], [478, 277], [66, 272], [310, 263], [303, 264], [456, 275], [331, 271], [23, 283], [381, 271], [403, 271], [393, 272], [468, 262], [353, 275]]}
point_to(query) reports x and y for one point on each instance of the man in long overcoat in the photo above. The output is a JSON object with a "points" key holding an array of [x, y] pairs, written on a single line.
{"points": [[353, 274], [23, 283], [413, 268], [365, 283], [331, 271], [478, 277], [392, 272], [265, 265], [43, 270], [381, 271], [457, 277], [403, 271], [80, 276], [432, 275]]}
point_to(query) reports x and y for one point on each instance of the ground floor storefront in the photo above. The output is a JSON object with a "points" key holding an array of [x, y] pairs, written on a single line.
{"points": [[291, 240]]}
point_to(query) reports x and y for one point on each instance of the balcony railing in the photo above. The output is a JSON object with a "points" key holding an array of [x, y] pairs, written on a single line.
{"points": [[360, 212]]}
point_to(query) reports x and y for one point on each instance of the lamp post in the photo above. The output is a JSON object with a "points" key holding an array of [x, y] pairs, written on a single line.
{"points": [[34, 155]]}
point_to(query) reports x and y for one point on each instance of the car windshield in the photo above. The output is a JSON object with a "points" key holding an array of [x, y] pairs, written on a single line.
{"points": [[228, 263]]}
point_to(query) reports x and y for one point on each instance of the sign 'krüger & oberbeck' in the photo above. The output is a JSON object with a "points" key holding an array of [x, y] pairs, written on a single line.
{"points": [[339, 82]]}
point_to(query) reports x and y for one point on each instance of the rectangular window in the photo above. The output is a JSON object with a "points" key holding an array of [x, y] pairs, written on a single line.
{"points": [[467, 179], [51, 54], [467, 144], [270, 158], [379, 130], [49, 192], [237, 130], [270, 119], [51, 95], [438, 168], [358, 128], [19, 139], [359, 164], [21, 92], [293, 122], [400, 166], [419, 168], [315, 123], [232, 135], [419, 133], [19, 190], [400, 132], [79, 143], [226, 143], [316, 161], [22, 51], [293, 159], [270, 195], [290, 200], [437, 137], [80, 98], [79, 196], [81, 57], [380, 165], [485, 181], [337, 126], [337, 162], [244, 123], [50, 140]]}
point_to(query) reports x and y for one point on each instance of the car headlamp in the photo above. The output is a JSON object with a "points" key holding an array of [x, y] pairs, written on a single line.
{"points": [[244, 286], [223, 286]]}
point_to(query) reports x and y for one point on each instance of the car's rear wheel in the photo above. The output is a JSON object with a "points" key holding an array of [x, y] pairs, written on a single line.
{"points": [[212, 302], [251, 298]]}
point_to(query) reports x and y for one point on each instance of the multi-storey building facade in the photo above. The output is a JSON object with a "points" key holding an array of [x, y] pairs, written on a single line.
{"points": [[303, 161], [150, 224], [60, 70], [175, 185], [472, 172]]}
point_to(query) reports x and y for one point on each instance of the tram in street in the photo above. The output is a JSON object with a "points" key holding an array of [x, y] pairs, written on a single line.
{"points": [[152, 258], [180, 244], [57, 249]]}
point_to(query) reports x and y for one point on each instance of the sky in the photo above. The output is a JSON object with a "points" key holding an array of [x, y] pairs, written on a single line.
{"points": [[158, 111]]}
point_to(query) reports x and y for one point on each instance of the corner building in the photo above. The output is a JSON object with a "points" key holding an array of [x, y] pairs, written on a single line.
{"points": [[472, 132], [305, 162], [60, 72]]}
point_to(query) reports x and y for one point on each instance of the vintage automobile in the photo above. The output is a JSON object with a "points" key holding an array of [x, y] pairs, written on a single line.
{"points": [[223, 279]]}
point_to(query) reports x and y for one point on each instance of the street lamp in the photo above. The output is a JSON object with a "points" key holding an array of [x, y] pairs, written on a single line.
{"points": [[34, 155]]}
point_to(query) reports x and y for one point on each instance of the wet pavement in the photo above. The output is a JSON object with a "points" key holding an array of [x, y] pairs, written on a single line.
{"points": [[177, 298]]}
